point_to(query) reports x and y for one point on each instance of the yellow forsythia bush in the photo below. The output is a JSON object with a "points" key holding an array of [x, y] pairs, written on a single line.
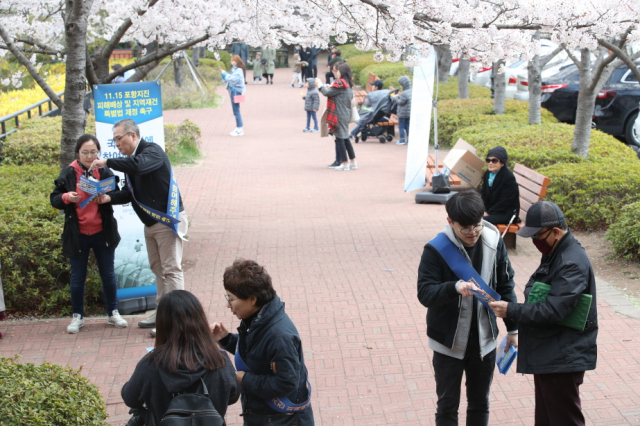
{"points": [[15, 100]]}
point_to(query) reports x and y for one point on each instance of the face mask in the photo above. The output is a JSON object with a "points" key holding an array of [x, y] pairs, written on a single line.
{"points": [[543, 246]]}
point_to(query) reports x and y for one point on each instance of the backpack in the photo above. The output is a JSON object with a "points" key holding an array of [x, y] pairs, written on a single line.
{"points": [[192, 409]]}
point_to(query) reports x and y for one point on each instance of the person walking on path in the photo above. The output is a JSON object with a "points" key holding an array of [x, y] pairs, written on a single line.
{"points": [[242, 50], [257, 69], [297, 71], [462, 332], [269, 55], [269, 360], [87, 227], [313, 64], [234, 81], [404, 109], [557, 355], [332, 54], [185, 355], [311, 105], [339, 96], [150, 184], [305, 56]]}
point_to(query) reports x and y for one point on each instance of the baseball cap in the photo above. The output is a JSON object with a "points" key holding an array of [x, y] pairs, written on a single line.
{"points": [[541, 215], [378, 83]]}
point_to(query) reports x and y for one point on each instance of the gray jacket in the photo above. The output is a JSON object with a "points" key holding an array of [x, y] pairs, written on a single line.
{"points": [[404, 99], [342, 99], [312, 98]]}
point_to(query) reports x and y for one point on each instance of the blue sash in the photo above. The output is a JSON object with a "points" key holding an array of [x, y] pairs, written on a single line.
{"points": [[280, 404], [463, 269], [170, 218]]}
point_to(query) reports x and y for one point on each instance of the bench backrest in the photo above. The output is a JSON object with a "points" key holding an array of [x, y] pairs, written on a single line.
{"points": [[532, 185], [371, 79]]}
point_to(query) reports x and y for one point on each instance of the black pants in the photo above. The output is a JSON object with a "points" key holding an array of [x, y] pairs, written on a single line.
{"points": [[328, 76], [479, 375], [558, 399], [314, 71], [344, 148]]}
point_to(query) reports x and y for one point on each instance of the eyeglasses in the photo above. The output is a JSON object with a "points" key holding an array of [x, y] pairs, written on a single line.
{"points": [[492, 160], [119, 138], [230, 300], [468, 229], [540, 236], [89, 152]]}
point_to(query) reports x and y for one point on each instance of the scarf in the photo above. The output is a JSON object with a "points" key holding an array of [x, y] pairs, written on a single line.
{"points": [[332, 118]]}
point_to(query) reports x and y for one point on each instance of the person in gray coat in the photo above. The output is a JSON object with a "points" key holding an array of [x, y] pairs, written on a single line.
{"points": [[311, 105], [242, 50], [338, 115], [269, 58], [404, 109]]}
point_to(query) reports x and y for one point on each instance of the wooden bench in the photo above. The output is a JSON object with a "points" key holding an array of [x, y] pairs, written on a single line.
{"points": [[359, 96], [533, 188], [431, 165]]}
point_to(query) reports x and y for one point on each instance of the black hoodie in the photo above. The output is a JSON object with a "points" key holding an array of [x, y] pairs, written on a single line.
{"points": [[153, 387]]}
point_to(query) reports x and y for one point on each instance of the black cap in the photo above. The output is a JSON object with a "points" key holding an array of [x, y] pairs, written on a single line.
{"points": [[378, 83], [541, 215]]}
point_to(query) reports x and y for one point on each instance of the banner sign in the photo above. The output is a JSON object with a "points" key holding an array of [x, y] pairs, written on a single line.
{"points": [[142, 102]]}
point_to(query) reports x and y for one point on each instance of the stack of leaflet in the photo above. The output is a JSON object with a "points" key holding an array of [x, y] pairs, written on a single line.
{"points": [[505, 359]]}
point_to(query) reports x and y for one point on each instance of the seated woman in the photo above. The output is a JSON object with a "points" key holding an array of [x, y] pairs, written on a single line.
{"points": [[500, 192], [268, 351], [185, 352]]}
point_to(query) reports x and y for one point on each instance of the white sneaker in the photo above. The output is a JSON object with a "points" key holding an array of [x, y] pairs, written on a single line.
{"points": [[343, 166], [353, 165], [149, 322], [117, 320], [254, 82], [237, 132], [76, 323], [260, 82], [153, 333]]}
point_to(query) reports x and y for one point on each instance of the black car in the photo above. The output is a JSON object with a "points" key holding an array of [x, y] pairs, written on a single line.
{"points": [[617, 106], [560, 94]]}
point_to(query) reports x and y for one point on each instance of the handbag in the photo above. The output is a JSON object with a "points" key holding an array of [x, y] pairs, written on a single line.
{"points": [[238, 99], [324, 127], [355, 116], [576, 319]]}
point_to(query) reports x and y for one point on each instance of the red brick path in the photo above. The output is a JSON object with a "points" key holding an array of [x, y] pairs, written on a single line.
{"points": [[343, 249]]}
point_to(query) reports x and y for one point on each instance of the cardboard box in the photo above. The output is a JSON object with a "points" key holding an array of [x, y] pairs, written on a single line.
{"points": [[463, 161]]}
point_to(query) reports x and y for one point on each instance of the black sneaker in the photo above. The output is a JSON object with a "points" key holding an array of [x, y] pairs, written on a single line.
{"points": [[334, 164]]}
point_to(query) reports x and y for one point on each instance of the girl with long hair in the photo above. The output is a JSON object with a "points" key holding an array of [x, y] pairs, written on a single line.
{"points": [[185, 352], [234, 80]]}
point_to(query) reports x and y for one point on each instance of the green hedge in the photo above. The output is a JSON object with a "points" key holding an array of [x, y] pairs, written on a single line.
{"points": [[48, 394], [456, 114], [37, 142], [449, 90], [348, 51], [591, 194], [624, 233], [389, 73], [542, 145], [225, 58], [358, 63]]}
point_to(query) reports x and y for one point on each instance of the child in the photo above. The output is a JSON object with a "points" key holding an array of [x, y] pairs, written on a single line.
{"points": [[311, 104], [257, 69], [297, 70], [404, 109]]}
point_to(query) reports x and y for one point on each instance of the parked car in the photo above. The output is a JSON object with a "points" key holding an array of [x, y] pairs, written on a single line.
{"points": [[549, 70], [616, 107], [560, 94]]}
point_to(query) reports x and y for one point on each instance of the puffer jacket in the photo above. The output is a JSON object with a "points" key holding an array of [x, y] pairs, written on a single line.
{"points": [[503, 197], [544, 346], [273, 352], [312, 98], [404, 98], [66, 182], [342, 99]]}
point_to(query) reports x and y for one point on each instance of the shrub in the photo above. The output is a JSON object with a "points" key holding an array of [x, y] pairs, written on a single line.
{"points": [[389, 73], [455, 114], [37, 142], [591, 194], [624, 233], [350, 51], [48, 394], [225, 57], [542, 145], [357, 64], [182, 142], [449, 90]]}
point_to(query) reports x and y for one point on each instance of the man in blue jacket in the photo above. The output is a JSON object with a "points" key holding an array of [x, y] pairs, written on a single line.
{"points": [[555, 354], [462, 332], [148, 171]]}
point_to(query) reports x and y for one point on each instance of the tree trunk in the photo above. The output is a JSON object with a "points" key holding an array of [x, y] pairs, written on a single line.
{"points": [[535, 90], [196, 55], [178, 71], [500, 85], [444, 62], [73, 115], [582, 131], [463, 78], [100, 64]]}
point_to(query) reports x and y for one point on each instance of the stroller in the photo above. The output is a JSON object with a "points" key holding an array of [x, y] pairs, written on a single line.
{"points": [[377, 107]]}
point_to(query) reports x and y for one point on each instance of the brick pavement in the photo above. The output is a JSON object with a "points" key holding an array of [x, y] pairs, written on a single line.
{"points": [[343, 249]]}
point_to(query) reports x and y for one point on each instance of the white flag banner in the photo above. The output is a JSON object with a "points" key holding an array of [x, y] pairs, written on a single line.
{"points": [[420, 123]]}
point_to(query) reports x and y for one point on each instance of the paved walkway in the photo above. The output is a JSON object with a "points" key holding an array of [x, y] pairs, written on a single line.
{"points": [[343, 249]]}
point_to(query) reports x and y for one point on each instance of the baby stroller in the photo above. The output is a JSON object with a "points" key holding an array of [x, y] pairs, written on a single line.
{"points": [[377, 107]]}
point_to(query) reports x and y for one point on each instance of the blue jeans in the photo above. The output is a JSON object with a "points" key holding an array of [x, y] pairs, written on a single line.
{"points": [[310, 115], [403, 128], [356, 129], [104, 257], [236, 109]]}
